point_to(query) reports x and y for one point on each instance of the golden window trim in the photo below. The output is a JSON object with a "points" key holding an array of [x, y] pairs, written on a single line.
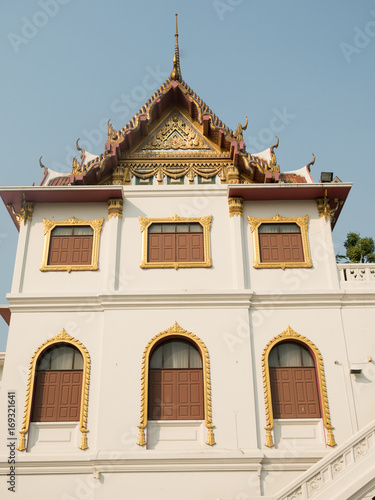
{"points": [[146, 222], [63, 338], [173, 331], [49, 225], [290, 334], [302, 222]]}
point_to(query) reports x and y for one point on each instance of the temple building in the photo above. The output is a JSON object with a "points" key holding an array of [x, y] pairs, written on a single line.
{"points": [[179, 327]]}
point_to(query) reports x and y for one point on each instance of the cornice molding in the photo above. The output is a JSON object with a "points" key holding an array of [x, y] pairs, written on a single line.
{"points": [[210, 299]]}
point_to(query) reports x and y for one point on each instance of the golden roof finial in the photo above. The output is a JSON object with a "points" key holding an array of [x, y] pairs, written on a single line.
{"points": [[176, 72]]}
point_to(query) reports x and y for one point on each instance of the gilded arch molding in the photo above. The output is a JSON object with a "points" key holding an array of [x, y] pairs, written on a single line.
{"points": [[62, 337], [290, 334], [176, 330]]}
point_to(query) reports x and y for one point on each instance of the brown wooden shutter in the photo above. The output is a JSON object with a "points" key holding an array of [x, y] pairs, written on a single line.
{"points": [[168, 247], [183, 247], [155, 253], [197, 249], [176, 395], [57, 396], [70, 250], [294, 392], [281, 247]]}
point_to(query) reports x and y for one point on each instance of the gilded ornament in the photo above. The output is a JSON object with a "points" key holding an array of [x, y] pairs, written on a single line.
{"points": [[235, 206], [145, 223], [76, 167], [302, 222], [240, 128], [309, 165], [63, 336], [26, 210], [43, 166], [290, 334], [324, 207], [175, 134], [115, 206], [174, 331], [80, 149], [49, 225], [113, 135]]}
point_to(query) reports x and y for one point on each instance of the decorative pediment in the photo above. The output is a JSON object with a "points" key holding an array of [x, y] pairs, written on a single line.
{"points": [[175, 134]]}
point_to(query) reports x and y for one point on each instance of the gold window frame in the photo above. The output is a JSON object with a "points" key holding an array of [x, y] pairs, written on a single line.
{"points": [[302, 223], [49, 225], [146, 222], [290, 334], [61, 338], [176, 331]]}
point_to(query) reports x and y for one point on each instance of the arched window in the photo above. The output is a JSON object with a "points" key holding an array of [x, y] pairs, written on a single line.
{"points": [[58, 385], [176, 382], [293, 378]]}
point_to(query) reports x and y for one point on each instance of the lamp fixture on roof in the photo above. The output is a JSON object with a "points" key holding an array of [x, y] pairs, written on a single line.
{"points": [[326, 177]]}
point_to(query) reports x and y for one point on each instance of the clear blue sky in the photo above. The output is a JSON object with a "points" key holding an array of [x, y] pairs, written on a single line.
{"points": [[69, 66]]}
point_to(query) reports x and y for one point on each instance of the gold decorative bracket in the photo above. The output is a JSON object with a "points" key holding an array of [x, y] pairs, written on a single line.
{"points": [[176, 331], [26, 210], [146, 222], [302, 222], [64, 338], [324, 207], [49, 225], [115, 207], [235, 206], [290, 334]]}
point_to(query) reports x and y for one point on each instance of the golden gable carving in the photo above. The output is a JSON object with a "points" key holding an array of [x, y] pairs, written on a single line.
{"points": [[175, 134]]}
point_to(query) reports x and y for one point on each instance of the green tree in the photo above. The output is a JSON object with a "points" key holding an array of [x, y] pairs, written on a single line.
{"points": [[358, 249]]}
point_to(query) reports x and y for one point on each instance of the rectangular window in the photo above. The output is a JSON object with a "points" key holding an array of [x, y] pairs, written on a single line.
{"points": [[71, 245], [177, 243], [280, 242]]}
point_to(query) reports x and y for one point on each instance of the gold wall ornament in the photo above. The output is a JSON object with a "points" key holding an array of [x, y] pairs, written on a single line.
{"points": [[145, 223], [176, 331], [177, 171], [324, 207], [233, 175], [26, 210], [302, 222], [235, 206], [49, 225], [238, 133], [175, 134], [115, 207], [290, 334], [64, 338]]}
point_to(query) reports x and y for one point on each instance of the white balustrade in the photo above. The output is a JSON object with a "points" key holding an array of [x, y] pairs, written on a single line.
{"points": [[356, 275], [342, 466]]}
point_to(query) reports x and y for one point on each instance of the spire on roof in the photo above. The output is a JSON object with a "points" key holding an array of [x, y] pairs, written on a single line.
{"points": [[176, 72]]}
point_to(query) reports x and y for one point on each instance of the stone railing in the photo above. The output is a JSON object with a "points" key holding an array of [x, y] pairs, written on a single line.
{"points": [[350, 466], [356, 274]]}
